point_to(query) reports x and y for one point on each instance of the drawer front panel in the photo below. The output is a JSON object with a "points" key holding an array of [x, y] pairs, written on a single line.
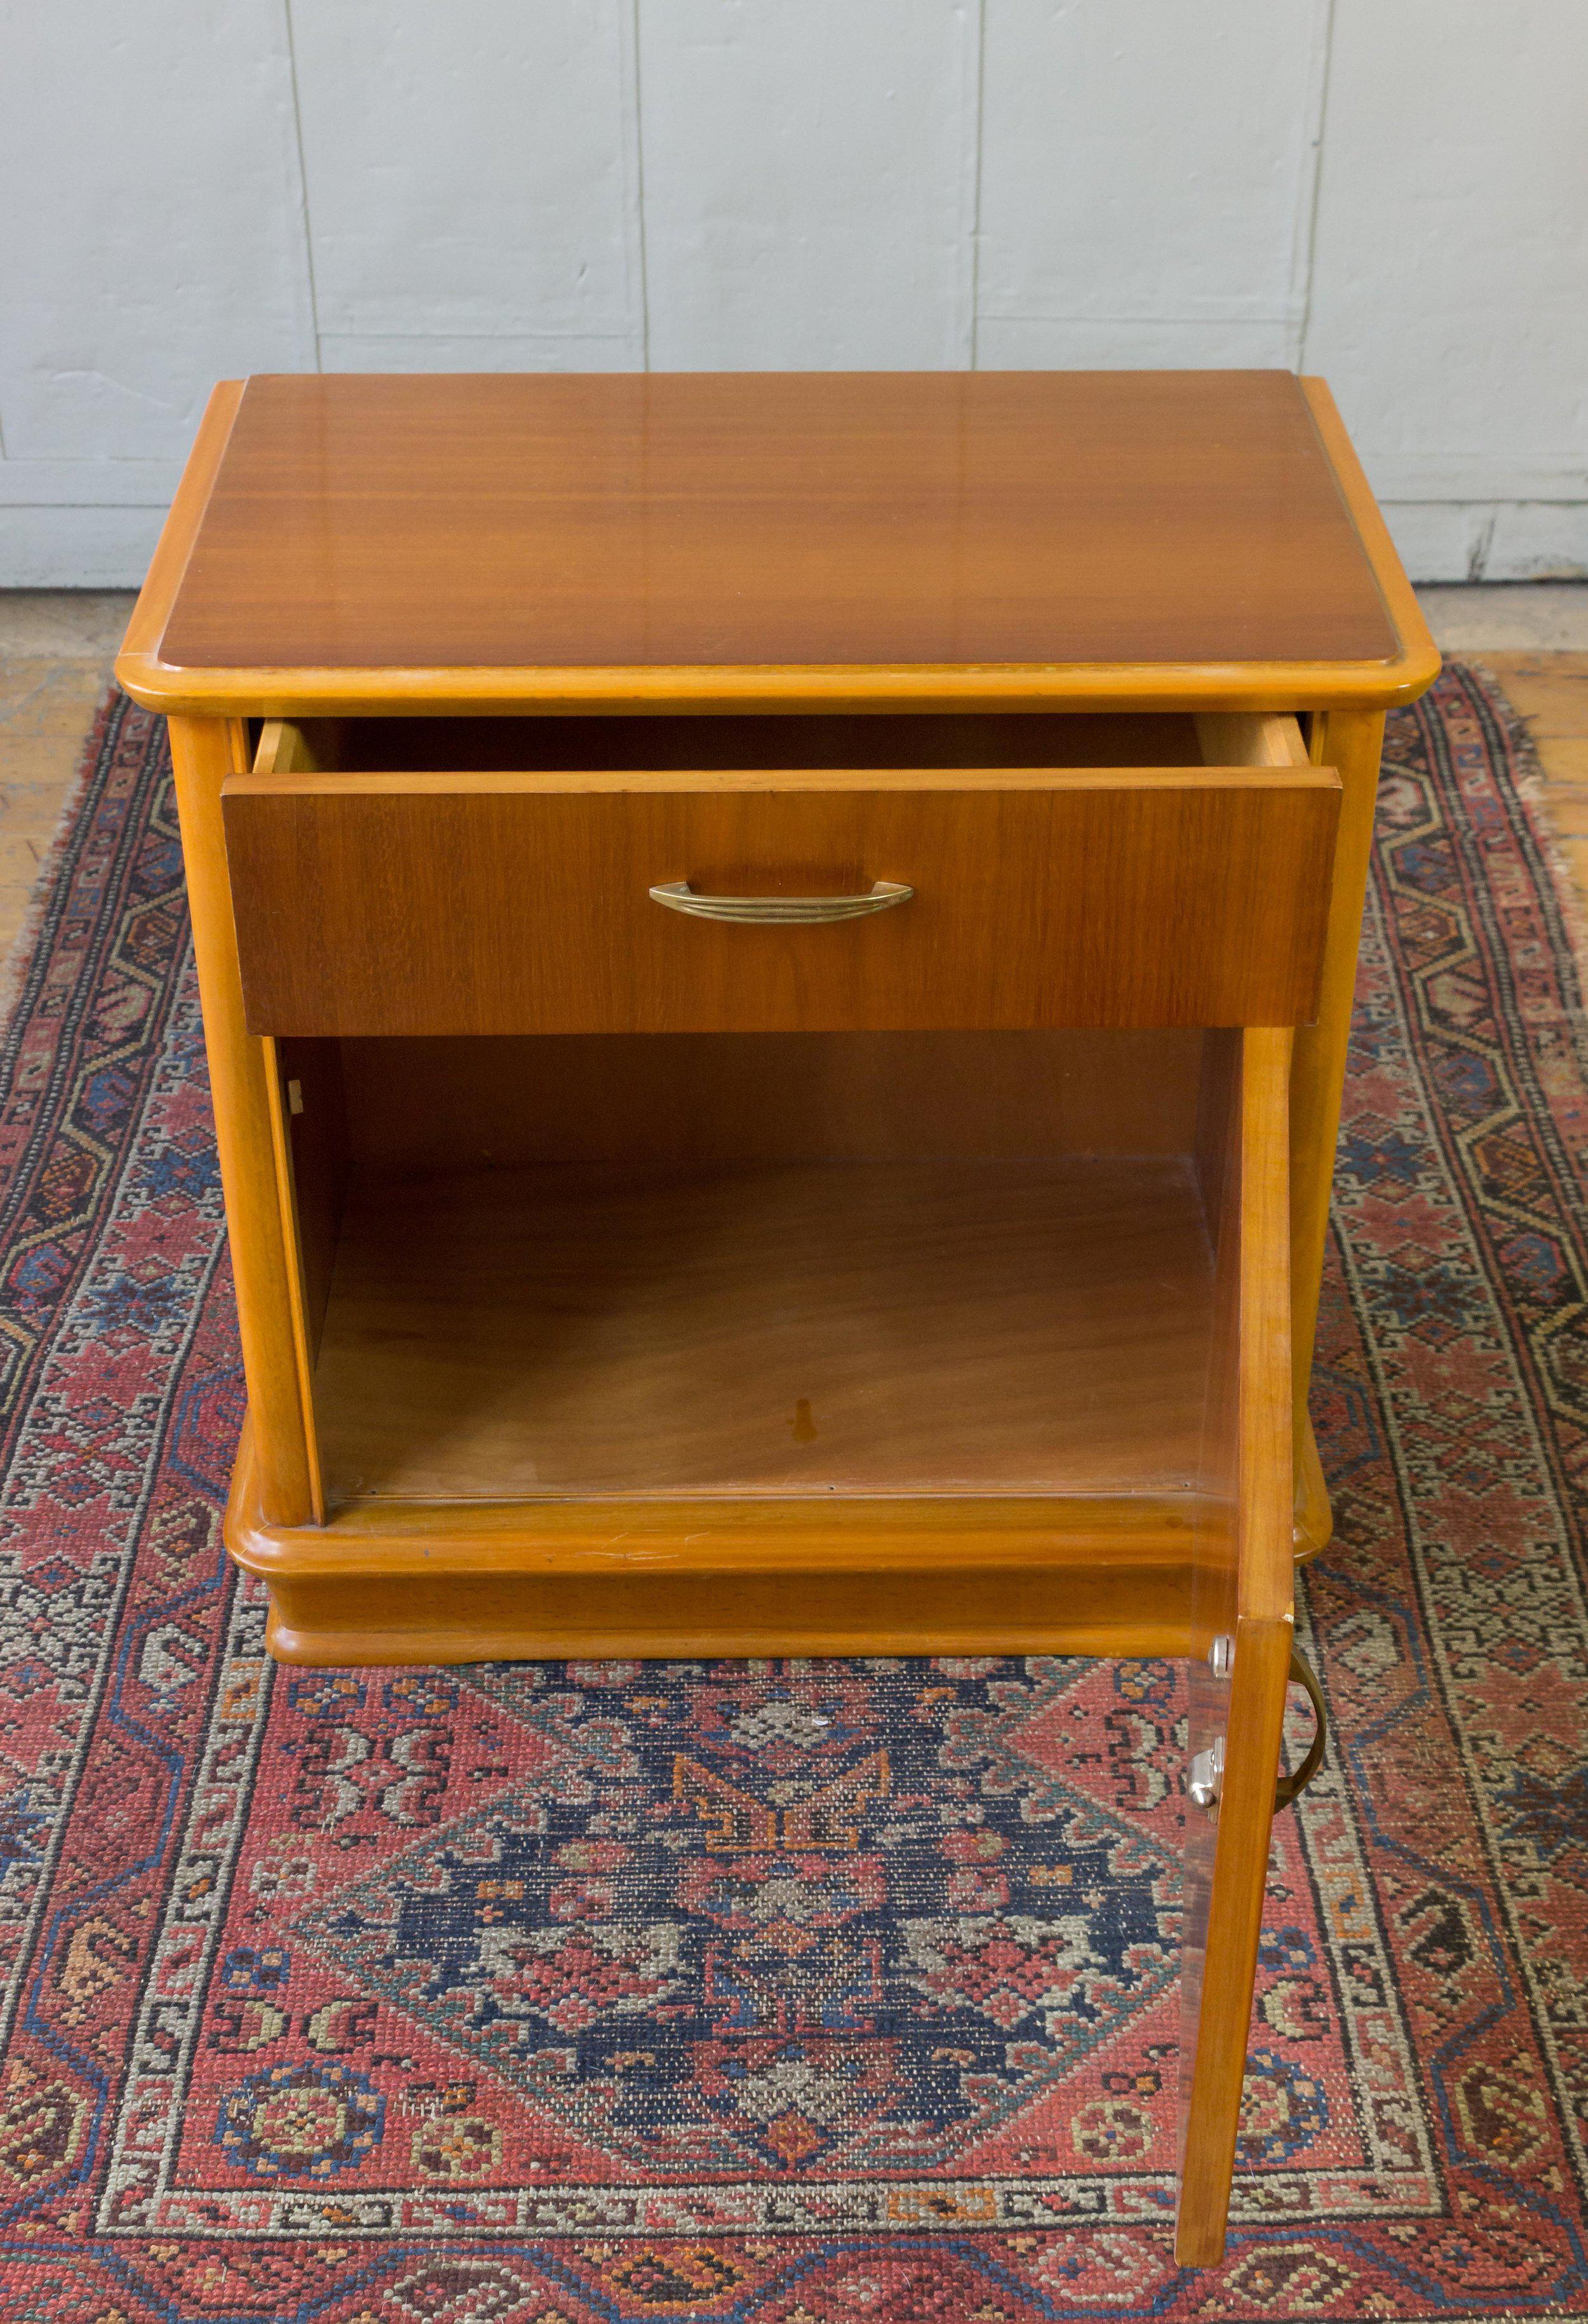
{"points": [[454, 904]]}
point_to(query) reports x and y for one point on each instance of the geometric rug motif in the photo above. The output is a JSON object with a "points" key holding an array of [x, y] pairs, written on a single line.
{"points": [[791, 1992], [652, 1944]]}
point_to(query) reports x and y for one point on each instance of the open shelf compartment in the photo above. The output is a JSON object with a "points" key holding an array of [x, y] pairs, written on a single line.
{"points": [[779, 1342], [806, 1328]]}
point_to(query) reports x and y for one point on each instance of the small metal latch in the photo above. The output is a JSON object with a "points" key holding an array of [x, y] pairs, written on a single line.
{"points": [[295, 1097], [1205, 1775]]}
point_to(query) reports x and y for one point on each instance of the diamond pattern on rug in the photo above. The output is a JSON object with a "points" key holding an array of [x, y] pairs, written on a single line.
{"points": [[743, 1923]]}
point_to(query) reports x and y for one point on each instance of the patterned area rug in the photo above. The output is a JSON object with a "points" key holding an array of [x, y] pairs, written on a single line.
{"points": [[791, 1992]]}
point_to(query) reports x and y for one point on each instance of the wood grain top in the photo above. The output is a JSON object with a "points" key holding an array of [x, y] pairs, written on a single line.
{"points": [[771, 537]]}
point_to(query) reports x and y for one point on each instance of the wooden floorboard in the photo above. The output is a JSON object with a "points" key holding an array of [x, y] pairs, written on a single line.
{"points": [[1550, 691]]}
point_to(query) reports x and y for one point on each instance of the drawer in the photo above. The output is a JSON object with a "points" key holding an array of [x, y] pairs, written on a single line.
{"points": [[881, 897]]}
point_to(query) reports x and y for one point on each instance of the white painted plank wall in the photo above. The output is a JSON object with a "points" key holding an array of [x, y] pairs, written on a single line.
{"points": [[472, 183], [1392, 192], [1448, 300], [809, 171], [154, 236], [1145, 170]]}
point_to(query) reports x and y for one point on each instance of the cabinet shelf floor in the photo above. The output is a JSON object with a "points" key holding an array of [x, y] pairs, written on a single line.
{"points": [[920, 1327]]}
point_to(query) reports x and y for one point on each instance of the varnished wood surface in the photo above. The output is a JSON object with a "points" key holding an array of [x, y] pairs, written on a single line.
{"points": [[758, 519], [1421, 657], [979, 1328], [264, 1263], [1217, 1993], [1352, 742], [415, 1580], [691, 1100], [302, 1291], [1241, 1588], [1265, 1582], [1045, 1546], [423, 1582], [1315, 1515], [315, 1127], [961, 1607], [946, 538], [138, 664], [496, 902]]}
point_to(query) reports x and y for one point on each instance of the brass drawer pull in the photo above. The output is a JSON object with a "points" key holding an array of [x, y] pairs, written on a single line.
{"points": [[768, 911], [1290, 1787]]}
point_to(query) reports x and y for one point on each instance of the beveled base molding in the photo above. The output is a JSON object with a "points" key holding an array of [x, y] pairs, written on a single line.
{"points": [[408, 1583]]}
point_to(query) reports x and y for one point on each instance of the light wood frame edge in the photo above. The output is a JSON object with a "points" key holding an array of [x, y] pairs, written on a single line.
{"points": [[629, 693], [1250, 1600], [264, 1253], [277, 1105], [509, 782], [141, 646], [1240, 749], [1417, 650], [1352, 742]]}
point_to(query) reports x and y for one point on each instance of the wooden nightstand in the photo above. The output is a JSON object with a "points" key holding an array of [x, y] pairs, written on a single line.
{"points": [[776, 955]]}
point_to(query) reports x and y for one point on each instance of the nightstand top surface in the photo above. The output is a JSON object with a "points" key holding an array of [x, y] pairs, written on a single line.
{"points": [[695, 537]]}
